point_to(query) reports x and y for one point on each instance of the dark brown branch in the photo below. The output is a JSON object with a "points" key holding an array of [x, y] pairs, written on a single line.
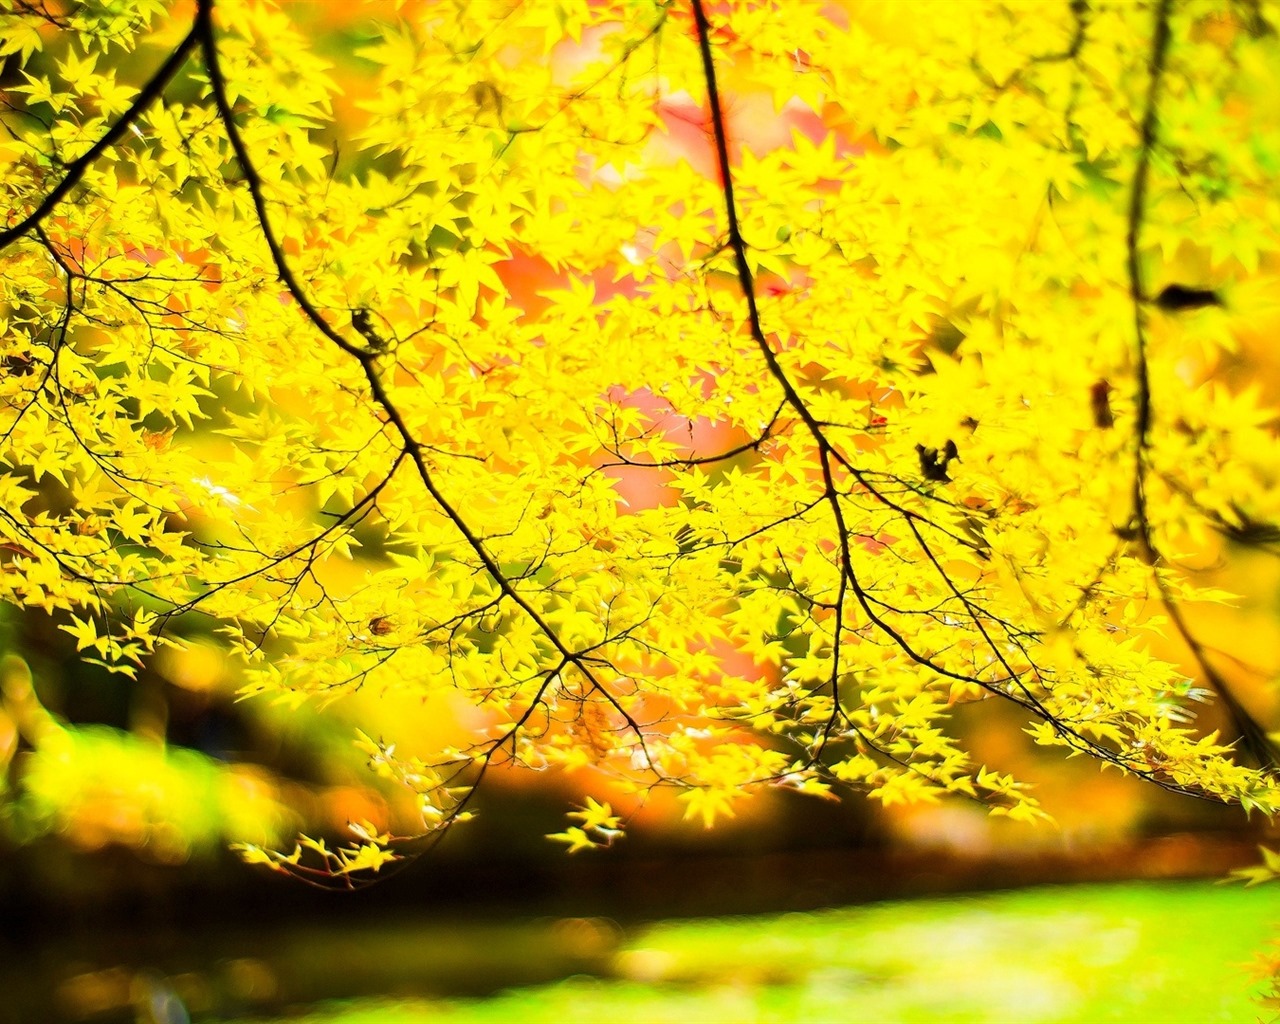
{"points": [[1252, 735], [76, 170], [1137, 206], [829, 454], [377, 390]]}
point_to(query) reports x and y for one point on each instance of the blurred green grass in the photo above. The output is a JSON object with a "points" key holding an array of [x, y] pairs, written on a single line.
{"points": [[1052, 955]]}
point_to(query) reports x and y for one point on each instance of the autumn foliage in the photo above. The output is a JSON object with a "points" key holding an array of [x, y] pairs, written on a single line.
{"points": [[711, 396]]}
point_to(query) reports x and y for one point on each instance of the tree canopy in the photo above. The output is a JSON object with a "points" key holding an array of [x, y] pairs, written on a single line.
{"points": [[707, 395]]}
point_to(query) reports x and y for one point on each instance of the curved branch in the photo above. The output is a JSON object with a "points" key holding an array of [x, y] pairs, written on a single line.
{"points": [[76, 170], [377, 389], [829, 454], [1252, 735]]}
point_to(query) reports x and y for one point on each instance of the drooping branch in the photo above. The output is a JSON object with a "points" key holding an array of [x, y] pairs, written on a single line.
{"points": [[1252, 735], [828, 454], [1015, 688], [378, 392], [75, 171]]}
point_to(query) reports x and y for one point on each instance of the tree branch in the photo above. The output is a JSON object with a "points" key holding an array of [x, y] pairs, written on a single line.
{"points": [[75, 171]]}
